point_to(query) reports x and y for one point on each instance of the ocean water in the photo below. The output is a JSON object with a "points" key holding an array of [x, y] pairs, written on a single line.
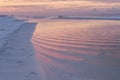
{"points": [[78, 49]]}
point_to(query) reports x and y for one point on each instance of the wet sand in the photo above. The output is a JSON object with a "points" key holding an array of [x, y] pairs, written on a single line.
{"points": [[78, 49]]}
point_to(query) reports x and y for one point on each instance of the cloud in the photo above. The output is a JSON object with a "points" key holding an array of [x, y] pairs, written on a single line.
{"points": [[106, 1], [67, 7], [113, 1]]}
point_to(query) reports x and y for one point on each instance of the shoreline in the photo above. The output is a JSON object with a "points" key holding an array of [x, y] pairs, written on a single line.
{"points": [[17, 56]]}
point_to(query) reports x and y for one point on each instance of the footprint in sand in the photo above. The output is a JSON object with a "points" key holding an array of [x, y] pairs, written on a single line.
{"points": [[31, 55], [23, 49], [2, 51], [8, 47], [0, 58], [20, 63], [31, 74], [2, 29]]}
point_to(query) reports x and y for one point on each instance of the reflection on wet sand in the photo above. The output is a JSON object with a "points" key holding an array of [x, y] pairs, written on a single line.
{"points": [[78, 49]]}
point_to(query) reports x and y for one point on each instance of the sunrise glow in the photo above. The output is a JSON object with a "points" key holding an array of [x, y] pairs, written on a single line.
{"points": [[50, 7]]}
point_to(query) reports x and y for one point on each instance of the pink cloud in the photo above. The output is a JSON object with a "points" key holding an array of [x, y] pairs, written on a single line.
{"points": [[67, 0]]}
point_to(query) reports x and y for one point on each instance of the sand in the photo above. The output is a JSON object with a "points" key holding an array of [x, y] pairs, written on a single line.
{"points": [[46, 51], [17, 58]]}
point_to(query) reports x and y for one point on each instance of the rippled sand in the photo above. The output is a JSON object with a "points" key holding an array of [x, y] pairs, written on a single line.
{"points": [[78, 49]]}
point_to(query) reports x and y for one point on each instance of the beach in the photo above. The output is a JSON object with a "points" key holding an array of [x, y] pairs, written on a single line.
{"points": [[17, 55], [59, 39], [60, 49]]}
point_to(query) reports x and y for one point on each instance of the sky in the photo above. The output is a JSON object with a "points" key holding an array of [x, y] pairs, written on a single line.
{"points": [[60, 7]]}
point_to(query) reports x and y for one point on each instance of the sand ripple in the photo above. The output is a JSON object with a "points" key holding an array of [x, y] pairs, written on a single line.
{"points": [[66, 48]]}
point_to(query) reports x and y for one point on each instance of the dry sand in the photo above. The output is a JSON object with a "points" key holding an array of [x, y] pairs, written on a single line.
{"points": [[17, 58]]}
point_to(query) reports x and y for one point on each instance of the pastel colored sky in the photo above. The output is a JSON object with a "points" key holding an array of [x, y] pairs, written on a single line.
{"points": [[59, 7]]}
